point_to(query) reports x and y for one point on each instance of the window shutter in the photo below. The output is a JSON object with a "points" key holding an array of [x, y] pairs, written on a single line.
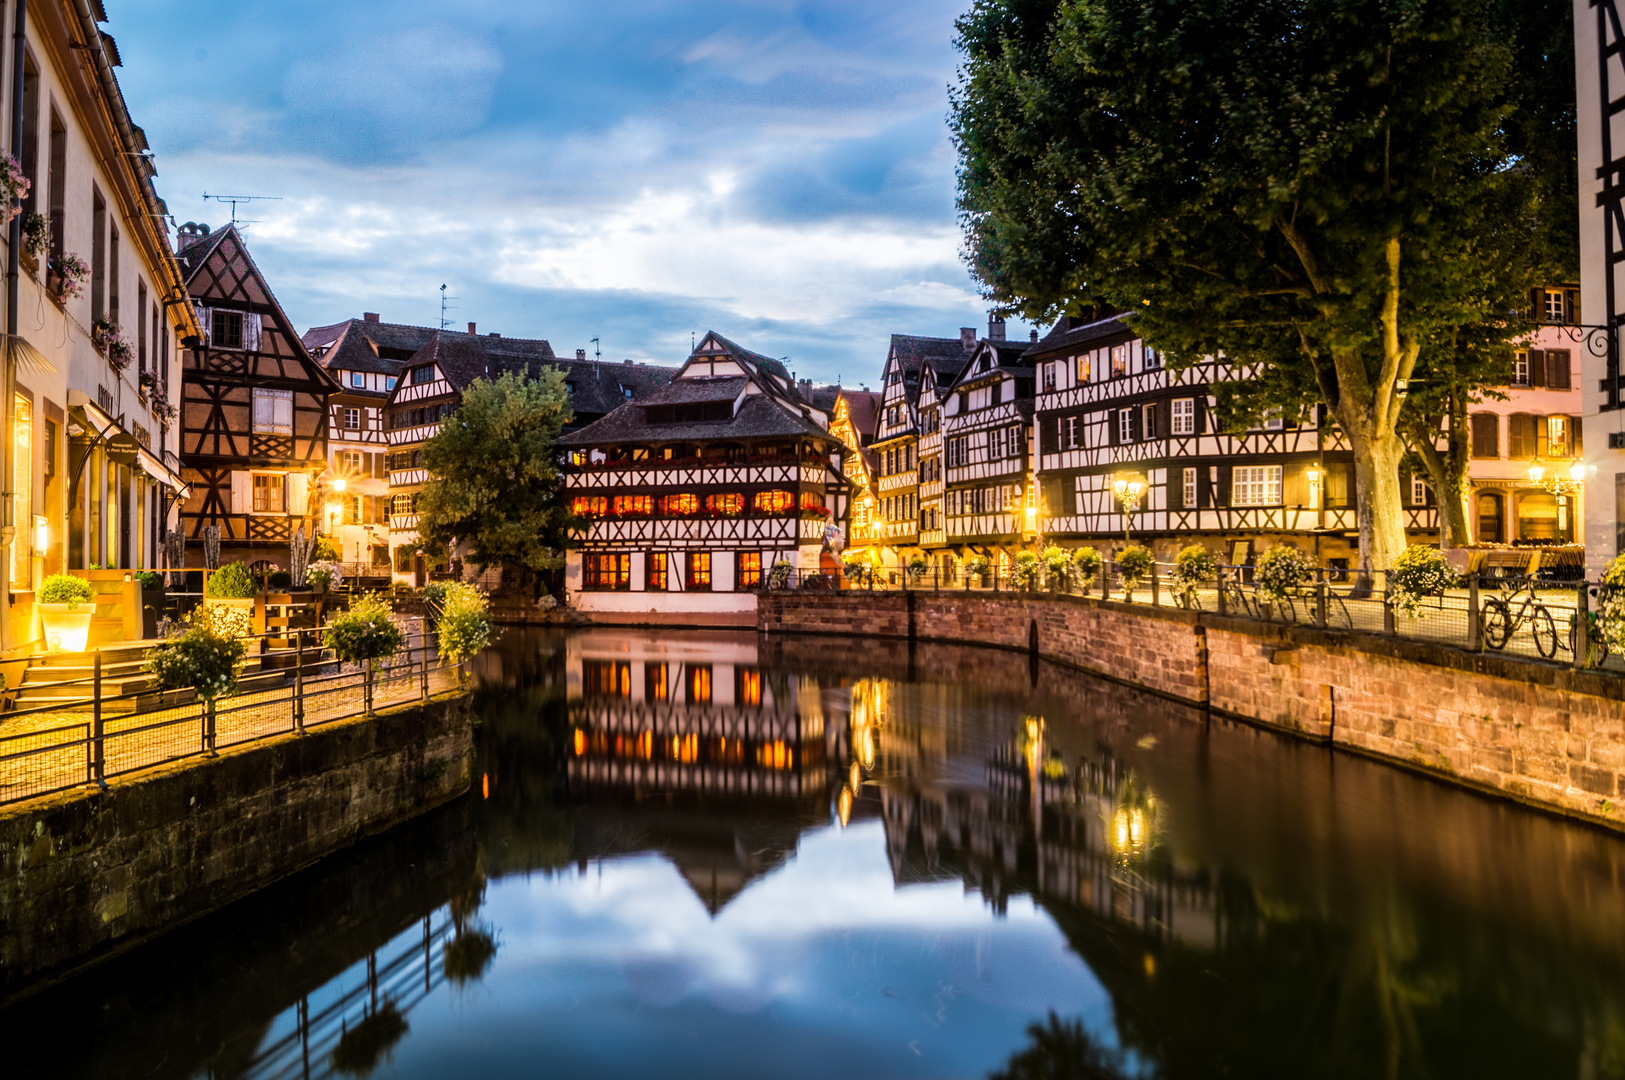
{"points": [[1221, 494], [298, 493], [241, 499], [1535, 306], [1111, 427], [205, 319], [1557, 369], [1541, 447], [1165, 418], [1572, 305], [262, 411], [1576, 436], [1199, 404], [1537, 368], [283, 412], [251, 332]]}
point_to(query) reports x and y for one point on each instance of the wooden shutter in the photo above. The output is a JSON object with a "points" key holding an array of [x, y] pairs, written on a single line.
{"points": [[1537, 303], [1576, 436], [205, 319], [241, 497], [1485, 435], [1165, 418], [1221, 496], [1199, 404], [1541, 447], [1537, 368], [298, 493], [1557, 369], [1571, 305], [1111, 428], [251, 332]]}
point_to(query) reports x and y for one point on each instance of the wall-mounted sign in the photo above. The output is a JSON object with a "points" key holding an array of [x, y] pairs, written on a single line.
{"points": [[122, 448]]}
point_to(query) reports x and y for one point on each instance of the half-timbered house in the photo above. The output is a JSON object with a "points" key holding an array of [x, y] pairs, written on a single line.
{"points": [[254, 417], [986, 433], [1108, 408], [431, 385], [853, 421], [693, 493], [938, 361]]}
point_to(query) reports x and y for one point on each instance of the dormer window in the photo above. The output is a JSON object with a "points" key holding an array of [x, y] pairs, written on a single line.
{"points": [[987, 363], [421, 374], [357, 379], [389, 383]]}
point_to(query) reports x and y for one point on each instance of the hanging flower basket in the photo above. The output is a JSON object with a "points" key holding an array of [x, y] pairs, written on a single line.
{"points": [[69, 274]]}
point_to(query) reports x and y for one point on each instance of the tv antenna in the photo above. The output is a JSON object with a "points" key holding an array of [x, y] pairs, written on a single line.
{"points": [[597, 353], [233, 200], [445, 307]]}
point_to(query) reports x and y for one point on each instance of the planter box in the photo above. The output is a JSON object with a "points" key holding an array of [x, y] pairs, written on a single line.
{"points": [[67, 626]]}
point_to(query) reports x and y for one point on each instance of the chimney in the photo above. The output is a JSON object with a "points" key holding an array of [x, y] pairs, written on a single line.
{"points": [[584, 352], [581, 354], [1033, 337], [369, 316], [995, 327], [967, 337], [805, 387], [471, 329], [493, 334]]}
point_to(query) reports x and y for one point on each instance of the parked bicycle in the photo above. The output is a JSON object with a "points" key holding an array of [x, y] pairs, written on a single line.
{"points": [[1517, 607]]}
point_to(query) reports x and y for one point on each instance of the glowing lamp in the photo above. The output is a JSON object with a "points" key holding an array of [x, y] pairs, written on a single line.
{"points": [[1314, 475], [338, 483], [42, 534], [1536, 471], [1577, 472]]}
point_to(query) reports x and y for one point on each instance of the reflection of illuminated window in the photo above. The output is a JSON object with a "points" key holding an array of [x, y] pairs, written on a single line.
{"points": [[606, 678], [774, 755], [699, 684], [655, 686], [750, 687]]}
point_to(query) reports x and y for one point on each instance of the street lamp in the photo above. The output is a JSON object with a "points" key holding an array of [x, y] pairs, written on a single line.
{"points": [[338, 483], [1555, 484], [1128, 490]]}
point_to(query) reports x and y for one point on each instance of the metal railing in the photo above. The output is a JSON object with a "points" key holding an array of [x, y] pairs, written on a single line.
{"points": [[93, 729], [1535, 617]]}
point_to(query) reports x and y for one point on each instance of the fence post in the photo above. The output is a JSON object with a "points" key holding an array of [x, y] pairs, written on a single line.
{"points": [[1320, 603], [1105, 580], [1221, 591], [299, 681], [425, 640], [100, 753], [1475, 623], [208, 728], [1582, 627], [1387, 605], [366, 686]]}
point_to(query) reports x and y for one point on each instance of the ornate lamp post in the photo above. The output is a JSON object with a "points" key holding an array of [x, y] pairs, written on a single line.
{"points": [[1556, 484], [1128, 490]]}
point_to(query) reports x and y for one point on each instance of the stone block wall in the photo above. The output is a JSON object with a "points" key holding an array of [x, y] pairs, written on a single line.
{"points": [[87, 874], [1536, 732]]}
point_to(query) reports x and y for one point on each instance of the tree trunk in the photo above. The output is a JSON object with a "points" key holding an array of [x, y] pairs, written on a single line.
{"points": [[1448, 477], [1381, 510]]}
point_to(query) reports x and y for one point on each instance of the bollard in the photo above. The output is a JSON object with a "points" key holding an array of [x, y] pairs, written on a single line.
{"points": [[1105, 581], [1475, 623], [425, 666], [1156, 595], [366, 687], [208, 728], [1387, 607], [1320, 603], [299, 682], [1221, 591], [1582, 627], [99, 734]]}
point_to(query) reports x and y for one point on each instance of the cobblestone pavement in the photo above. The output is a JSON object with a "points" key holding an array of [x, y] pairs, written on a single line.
{"points": [[51, 749]]}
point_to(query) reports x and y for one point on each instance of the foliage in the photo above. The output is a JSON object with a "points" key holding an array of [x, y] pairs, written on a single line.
{"points": [[64, 589], [198, 658], [1610, 620], [279, 579], [1261, 180], [434, 593], [1419, 573], [14, 185], [231, 582], [1086, 564], [1057, 564], [1134, 564], [857, 568], [36, 233], [1194, 567], [366, 632], [1062, 1050], [779, 576], [225, 620], [1280, 572], [978, 565], [917, 566], [325, 549], [468, 956], [362, 1048], [73, 272], [325, 575], [1027, 567], [495, 484], [150, 582], [464, 622]]}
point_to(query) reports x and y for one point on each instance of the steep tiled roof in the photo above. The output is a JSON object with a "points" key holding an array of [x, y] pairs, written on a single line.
{"points": [[758, 417], [765, 363], [863, 408], [1075, 333], [912, 352], [726, 388]]}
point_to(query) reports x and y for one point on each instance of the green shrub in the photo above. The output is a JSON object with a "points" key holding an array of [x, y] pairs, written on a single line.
{"points": [[978, 565], [434, 594], [279, 579], [232, 582], [198, 658], [1194, 567], [1026, 569], [366, 632], [917, 566], [1086, 564], [465, 622], [1610, 617], [150, 581], [1417, 574], [1056, 563], [1134, 564], [325, 550], [324, 575], [65, 589], [1280, 572]]}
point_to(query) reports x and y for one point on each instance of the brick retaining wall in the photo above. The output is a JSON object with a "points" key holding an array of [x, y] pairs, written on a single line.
{"points": [[1539, 733]]}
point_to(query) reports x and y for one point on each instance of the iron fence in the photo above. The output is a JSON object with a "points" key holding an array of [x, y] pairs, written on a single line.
{"points": [[1536, 617], [93, 729]]}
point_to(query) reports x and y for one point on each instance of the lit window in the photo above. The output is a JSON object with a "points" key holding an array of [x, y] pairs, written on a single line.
{"points": [[699, 575], [750, 569], [725, 504], [269, 494], [1184, 416], [1120, 360], [773, 502], [680, 505], [601, 571], [1557, 436], [1520, 369], [699, 682], [750, 687], [1256, 485], [273, 412], [350, 462], [656, 566], [1083, 369], [590, 505], [634, 505]]}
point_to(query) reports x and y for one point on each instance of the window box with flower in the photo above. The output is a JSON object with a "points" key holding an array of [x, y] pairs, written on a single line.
{"points": [[36, 240], [65, 277]]}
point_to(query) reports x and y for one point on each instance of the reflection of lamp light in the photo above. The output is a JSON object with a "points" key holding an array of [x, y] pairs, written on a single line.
{"points": [[843, 807]]}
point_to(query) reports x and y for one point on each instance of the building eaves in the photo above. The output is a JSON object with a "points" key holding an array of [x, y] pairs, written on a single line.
{"points": [[758, 417]]}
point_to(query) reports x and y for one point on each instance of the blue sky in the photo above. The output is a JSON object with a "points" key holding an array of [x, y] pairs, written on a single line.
{"points": [[621, 169]]}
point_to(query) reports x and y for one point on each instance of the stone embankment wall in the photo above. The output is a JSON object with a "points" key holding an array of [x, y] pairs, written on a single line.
{"points": [[1542, 734], [87, 874]]}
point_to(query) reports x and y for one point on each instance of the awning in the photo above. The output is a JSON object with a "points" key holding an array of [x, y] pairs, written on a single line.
{"points": [[26, 357], [107, 427]]}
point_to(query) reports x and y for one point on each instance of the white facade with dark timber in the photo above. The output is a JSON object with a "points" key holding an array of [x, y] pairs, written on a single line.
{"points": [[986, 435], [690, 495]]}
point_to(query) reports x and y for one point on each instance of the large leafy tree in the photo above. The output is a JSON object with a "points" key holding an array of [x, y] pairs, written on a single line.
{"points": [[1320, 191], [496, 485]]}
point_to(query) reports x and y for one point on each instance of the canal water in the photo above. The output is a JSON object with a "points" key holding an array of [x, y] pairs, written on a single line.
{"points": [[709, 855]]}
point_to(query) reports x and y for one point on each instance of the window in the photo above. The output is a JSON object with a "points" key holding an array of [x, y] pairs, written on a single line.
{"points": [[1554, 311], [1125, 425], [358, 379], [273, 410], [403, 504], [1119, 360], [1419, 491], [1148, 421], [590, 505], [699, 575], [352, 419], [1520, 369], [633, 505], [1083, 369], [1183, 420], [1557, 436], [22, 443], [1256, 485], [600, 571], [655, 572], [226, 331], [725, 504], [1557, 369], [1153, 359], [269, 494], [350, 463], [1521, 435], [1486, 435], [389, 383], [749, 690], [1273, 420], [680, 505], [748, 567], [1069, 432], [1049, 376], [606, 679], [1188, 489], [420, 375], [773, 502]]}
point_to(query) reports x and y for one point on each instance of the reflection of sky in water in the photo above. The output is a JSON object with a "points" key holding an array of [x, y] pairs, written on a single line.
{"points": [[823, 968]]}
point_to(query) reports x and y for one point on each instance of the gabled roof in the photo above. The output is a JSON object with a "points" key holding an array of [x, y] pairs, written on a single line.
{"points": [[1006, 356], [1072, 332], [758, 417], [739, 352], [863, 409]]}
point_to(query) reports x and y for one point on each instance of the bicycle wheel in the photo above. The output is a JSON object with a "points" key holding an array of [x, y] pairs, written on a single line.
{"points": [[1496, 620], [1337, 613], [1544, 630]]}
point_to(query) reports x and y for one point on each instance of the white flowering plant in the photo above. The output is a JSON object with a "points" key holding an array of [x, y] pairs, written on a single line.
{"points": [[1134, 564], [1194, 567], [1027, 566], [1421, 572], [324, 575], [199, 658], [1609, 621], [1086, 564], [1280, 572]]}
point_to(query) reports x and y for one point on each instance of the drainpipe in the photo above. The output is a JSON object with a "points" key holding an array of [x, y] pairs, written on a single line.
{"points": [[8, 382]]}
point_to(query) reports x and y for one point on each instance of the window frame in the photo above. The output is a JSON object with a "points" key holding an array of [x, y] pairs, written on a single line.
{"points": [[747, 570], [656, 572], [274, 397], [1260, 484], [254, 488], [698, 578], [606, 571], [1187, 487], [1182, 421], [216, 315], [1125, 425]]}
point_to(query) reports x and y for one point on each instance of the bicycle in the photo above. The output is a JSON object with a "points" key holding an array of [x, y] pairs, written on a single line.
{"points": [[1499, 620]]}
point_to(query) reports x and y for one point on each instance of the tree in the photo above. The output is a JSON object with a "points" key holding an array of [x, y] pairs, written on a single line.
{"points": [[495, 484], [1320, 191]]}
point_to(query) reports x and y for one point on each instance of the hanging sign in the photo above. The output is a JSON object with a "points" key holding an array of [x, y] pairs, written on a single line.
{"points": [[122, 448]]}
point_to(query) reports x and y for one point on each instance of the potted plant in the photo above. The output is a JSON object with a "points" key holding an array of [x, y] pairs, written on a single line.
{"points": [[1027, 565], [66, 604], [36, 239], [1134, 564], [1056, 564], [201, 660], [779, 576], [231, 586], [1194, 567], [1421, 572], [66, 276], [364, 634], [1086, 564], [152, 601], [1280, 572], [465, 625], [917, 566], [976, 567], [323, 576]]}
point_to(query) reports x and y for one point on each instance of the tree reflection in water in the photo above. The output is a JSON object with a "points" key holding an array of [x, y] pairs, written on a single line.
{"points": [[1061, 1050]]}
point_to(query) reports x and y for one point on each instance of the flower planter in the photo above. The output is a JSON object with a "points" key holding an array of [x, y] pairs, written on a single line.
{"points": [[67, 626]]}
